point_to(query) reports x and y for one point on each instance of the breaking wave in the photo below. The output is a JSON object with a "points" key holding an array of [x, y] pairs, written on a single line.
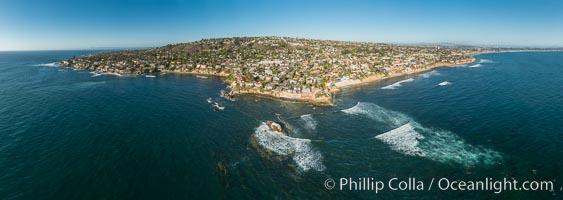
{"points": [[110, 73], [439, 145], [378, 113], [429, 74], [309, 122], [94, 74], [475, 65], [444, 83], [486, 61], [413, 139], [397, 84], [301, 150], [53, 64], [403, 139]]}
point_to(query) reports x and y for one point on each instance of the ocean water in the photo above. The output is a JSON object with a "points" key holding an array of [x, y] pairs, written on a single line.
{"points": [[67, 134]]}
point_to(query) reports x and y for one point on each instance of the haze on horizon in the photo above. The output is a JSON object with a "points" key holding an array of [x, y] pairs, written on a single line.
{"points": [[87, 24]]}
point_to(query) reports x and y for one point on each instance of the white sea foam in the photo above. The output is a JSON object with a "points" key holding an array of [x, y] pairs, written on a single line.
{"points": [[439, 145], [397, 84], [486, 61], [410, 138], [53, 64], [475, 65], [301, 150], [462, 65], [309, 122], [378, 113], [403, 139], [94, 74], [429, 74], [444, 83], [445, 146], [110, 73]]}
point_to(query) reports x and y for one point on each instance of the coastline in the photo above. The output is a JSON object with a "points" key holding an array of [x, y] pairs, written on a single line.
{"points": [[313, 74], [514, 51], [379, 77], [320, 101], [222, 75], [310, 98], [329, 100]]}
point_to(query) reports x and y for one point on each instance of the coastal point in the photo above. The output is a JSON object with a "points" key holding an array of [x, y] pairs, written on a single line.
{"points": [[295, 69]]}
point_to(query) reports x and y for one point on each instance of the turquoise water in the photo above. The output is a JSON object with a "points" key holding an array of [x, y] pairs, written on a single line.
{"points": [[67, 135]]}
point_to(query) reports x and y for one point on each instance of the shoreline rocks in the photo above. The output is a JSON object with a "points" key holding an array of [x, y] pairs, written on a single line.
{"points": [[276, 128]]}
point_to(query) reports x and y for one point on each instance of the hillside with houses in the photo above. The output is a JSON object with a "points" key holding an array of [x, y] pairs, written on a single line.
{"points": [[290, 68]]}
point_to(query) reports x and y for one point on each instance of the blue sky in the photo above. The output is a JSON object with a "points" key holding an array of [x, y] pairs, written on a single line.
{"points": [[84, 24]]}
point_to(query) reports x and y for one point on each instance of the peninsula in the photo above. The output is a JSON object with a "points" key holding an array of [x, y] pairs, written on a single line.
{"points": [[281, 67]]}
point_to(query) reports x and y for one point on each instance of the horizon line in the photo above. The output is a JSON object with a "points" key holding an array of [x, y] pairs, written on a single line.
{"points": [[444, 43]]}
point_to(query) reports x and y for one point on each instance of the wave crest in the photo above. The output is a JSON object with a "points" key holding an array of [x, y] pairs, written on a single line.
{"points": [[378, 113], [439, 145], [403, 139], [444, 83], [95, 74], [411, 138], [53, 64], [475, 65], [397, 84], [429, 74], [486, 61]]}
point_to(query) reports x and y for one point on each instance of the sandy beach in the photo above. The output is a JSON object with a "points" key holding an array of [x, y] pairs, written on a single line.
{"points": [[379, 77]]}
